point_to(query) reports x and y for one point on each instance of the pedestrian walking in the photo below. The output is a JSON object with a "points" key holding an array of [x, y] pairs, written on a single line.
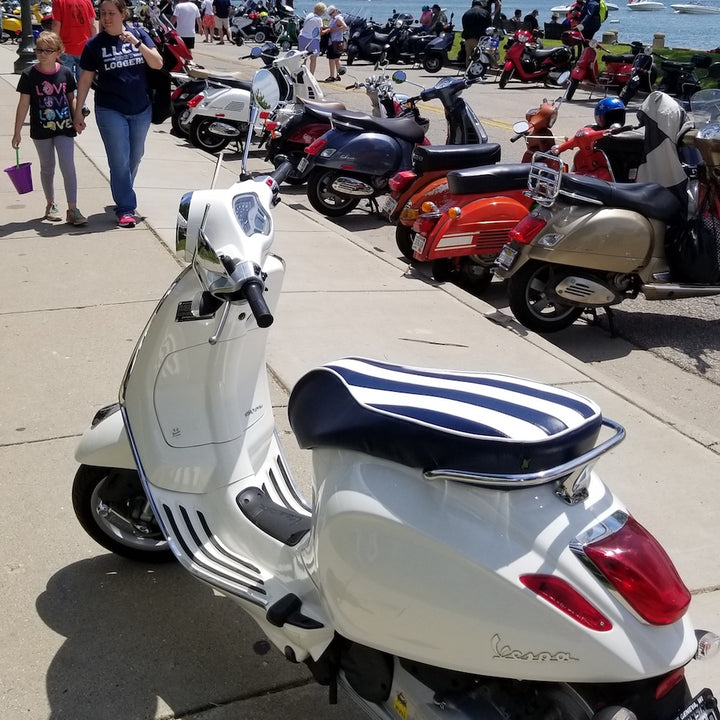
{"points": [[117, 58], [335, 30], [74, 22], [475, 22], [221, 9], [186, 19], [309, 37], [47, 92], [208, 20]]}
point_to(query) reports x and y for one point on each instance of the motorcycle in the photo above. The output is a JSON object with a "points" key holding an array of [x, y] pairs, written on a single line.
{"points": [[527, 62], [591, 244], [616, 73], [679, 79], [360, 154], [463, 234], [461, 554]]}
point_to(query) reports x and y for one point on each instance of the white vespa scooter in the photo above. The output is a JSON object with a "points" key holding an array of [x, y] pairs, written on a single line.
{"points": [[461, 558], [229, 100]]}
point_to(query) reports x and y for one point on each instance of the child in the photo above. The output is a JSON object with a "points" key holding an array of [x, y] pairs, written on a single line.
{"points": [[47, 91]]}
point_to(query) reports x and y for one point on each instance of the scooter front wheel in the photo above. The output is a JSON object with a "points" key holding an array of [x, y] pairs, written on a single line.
{"points": [[201, 137], [533, 301], [112, 508], [505, 76], [326, 200], [571, 88]]}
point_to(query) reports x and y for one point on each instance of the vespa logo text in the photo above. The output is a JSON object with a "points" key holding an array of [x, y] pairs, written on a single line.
{"points": [[505, 652], [252, 411]]}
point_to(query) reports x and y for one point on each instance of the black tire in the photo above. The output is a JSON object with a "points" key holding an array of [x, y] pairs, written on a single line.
{"points": [[285, 45], [505, 76], [177, 126], [442, 269], [323, 198], [529, 302], [260, 36], [101, 493], [571, 88], [473, 276], [629, 89], [239, 40], [201, 137], [404, 236], [350, 59], [432, 63]]}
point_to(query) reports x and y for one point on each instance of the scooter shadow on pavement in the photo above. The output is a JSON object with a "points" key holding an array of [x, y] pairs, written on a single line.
{"points": [[136, 633]]}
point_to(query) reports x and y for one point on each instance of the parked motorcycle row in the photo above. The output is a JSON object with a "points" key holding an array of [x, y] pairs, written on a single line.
{"points": [[461, 555]]}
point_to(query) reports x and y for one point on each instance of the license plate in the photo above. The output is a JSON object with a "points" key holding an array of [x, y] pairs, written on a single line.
{"points": [[418, 244], [703, 707], [389, 205], [302, 166], [506, 257]]}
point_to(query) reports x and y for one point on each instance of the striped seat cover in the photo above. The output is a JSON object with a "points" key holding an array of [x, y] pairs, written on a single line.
{"points": [[440, 419]]}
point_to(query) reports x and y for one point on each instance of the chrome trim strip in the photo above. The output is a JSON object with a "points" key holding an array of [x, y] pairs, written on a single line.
{"points": [[536, 478]]}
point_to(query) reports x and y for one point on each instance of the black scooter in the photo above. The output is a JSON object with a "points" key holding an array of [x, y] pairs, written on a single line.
{"points": [[366, 42], [357, 157]]}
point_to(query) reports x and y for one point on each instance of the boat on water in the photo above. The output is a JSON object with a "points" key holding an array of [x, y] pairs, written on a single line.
{"points": [[645, 5], [695, 9], [562, 9]]}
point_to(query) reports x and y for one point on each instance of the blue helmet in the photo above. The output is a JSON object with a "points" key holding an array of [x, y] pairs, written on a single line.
{"points": [[610, 111]]}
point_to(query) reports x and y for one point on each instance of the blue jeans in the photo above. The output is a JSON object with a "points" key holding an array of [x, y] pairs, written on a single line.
{"points": [[124, 140], [72, 62]]}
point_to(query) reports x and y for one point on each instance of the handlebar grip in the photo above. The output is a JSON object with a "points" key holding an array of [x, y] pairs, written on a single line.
{"points": [[515, 138], [253, 291], [281, 172]]}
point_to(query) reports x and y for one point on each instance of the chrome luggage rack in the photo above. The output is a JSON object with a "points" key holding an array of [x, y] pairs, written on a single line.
{"points": [[546, 171]]}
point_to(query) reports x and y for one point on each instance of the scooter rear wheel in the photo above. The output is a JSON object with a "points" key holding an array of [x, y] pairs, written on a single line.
{"points": [[112, 508], [532, 300], [505, 76], [404, 236], [432, 63], [326, 200], [201, 137]]}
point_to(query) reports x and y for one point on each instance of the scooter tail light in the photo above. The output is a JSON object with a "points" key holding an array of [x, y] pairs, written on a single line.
{"points": [[564, 597], [264, 115], [424, 225], [194, 102], [527, 229], [179, 90], [271, 125], [669, 682], [316, 146], [635, 564], [401, 180]]}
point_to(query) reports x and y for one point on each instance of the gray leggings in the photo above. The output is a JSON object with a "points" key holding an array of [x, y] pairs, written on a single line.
{"points": [[64, 145]]}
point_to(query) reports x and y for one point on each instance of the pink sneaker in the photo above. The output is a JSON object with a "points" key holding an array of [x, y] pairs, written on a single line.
{"points": [[127, 221]]}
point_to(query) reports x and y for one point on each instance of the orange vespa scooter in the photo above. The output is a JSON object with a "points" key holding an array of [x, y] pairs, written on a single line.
{"points": [[538, 137]]}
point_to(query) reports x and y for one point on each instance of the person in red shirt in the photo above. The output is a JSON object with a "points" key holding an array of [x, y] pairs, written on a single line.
{"points": [[75, 22]]}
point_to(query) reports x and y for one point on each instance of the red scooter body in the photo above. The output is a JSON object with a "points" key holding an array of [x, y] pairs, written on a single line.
{"points": [[527, 62], [616, 73]]}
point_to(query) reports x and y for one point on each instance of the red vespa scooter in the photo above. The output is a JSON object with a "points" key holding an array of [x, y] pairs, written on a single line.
{"points": [[586, 71], [528, 62]]}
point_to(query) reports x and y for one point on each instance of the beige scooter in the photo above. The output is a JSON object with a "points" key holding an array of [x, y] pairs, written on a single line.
{"points": [[592, 244]]}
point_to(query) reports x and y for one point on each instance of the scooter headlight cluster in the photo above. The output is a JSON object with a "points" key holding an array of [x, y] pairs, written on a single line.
{"points": [[251, 215]]}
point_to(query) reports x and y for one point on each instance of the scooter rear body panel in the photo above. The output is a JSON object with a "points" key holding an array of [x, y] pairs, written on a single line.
{"points": [[368, 153]]}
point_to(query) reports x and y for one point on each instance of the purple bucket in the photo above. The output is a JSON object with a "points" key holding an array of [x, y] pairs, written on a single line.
{"points": [[21, 177]]}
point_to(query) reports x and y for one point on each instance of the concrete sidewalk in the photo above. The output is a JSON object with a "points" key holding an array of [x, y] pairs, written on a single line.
{"points": [[87, 635]]}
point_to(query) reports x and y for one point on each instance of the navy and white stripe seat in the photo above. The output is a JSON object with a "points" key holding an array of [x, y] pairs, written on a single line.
{"points": [[441, 419]]}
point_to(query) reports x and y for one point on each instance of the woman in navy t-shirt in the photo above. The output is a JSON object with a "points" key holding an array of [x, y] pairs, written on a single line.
{"points": [[116, 59]]}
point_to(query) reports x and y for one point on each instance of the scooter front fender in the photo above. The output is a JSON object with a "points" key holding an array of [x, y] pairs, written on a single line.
{"points": [[105, 443]]}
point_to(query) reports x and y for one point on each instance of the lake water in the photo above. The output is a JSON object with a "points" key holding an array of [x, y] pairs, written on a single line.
{"points": [[700, 32]]}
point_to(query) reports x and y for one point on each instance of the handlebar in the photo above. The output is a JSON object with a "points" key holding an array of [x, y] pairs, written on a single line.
{"points": [[253, 290], [282, 171]]}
